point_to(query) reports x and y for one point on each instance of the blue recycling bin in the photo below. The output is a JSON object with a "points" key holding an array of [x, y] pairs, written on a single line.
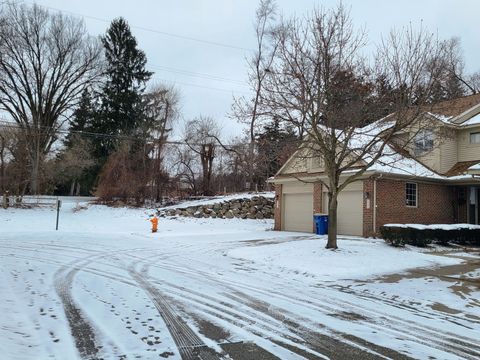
{"points": [[321, 224]]}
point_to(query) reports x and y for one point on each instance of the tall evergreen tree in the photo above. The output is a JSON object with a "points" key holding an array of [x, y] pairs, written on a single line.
{"points": [[82, 117], [276, 143], [121, 96]]}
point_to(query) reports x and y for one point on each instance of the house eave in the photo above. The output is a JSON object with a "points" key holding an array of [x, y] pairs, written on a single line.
{"points": [[322, 177]]}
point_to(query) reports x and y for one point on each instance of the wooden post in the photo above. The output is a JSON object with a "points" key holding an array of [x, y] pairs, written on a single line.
{"points": [[59, 204]]}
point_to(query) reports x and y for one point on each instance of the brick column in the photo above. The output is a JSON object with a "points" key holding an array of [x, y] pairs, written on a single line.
{"points": [[278, 208], [317, 199], [368, 204]]}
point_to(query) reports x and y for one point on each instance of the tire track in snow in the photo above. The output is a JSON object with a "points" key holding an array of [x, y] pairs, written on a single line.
{"points": [[82, 329], [397, 327], [82, 332], [313, 303], [282, 328], [263, 325], [190, 346]]}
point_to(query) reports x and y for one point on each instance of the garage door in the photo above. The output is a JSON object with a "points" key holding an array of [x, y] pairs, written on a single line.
{"points": [[350, 211], [298, 212]]}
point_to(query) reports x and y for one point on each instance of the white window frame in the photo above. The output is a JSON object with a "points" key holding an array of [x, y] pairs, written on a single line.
{"points": [[423, 141], [407, 194], [476, 136]]}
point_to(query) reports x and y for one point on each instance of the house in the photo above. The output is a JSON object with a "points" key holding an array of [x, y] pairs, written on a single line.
{"points": [[435, 181]]}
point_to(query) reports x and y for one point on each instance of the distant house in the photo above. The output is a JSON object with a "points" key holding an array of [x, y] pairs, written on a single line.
{"points": [[436, 181]]}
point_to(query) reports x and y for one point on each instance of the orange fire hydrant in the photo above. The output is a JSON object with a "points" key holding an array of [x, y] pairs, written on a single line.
{"points": [[154, 221]]}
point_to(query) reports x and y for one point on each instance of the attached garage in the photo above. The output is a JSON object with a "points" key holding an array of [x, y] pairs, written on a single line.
{"points": [[297, 205], [350, 209]]}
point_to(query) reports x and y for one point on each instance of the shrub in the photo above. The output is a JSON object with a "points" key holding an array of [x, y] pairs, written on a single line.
{"points": [[399, 236], [467, 236], [422, 235]]}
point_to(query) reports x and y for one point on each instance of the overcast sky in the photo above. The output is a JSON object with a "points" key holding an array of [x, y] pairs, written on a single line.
{"points": [[208, 75]]}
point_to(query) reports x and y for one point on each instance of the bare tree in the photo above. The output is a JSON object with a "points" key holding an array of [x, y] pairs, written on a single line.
{"points": [[124, 175], [185, 167], [13, 155], [5, 137], [321, 83], [46, 60], [201, 135], [161, 109], [248, 110], [73, 162], [454, 66]]}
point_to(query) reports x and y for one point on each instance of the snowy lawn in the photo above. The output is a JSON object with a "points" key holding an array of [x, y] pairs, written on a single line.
{"points": [[355, 258], [105, 286]]}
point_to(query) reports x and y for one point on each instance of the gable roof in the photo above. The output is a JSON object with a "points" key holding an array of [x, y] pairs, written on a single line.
{"points": [[456, 107], [460, 112]]}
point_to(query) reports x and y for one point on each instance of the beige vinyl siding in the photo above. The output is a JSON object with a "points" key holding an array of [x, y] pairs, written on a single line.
{"points": [[316, 164], [300, 162], [448, 154], [431, 159], [295, 166], [467, 151], [297, 207], [350, 209]]}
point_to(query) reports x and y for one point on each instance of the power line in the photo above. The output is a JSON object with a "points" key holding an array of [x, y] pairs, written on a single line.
{"points": [[203, 86], [176, 70], [97, 135], [9, 124], [164, 33], [197, 74]]}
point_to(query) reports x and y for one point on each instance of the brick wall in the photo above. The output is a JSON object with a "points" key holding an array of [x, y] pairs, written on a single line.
{"points": [[368, 208], [317, 200], [436, 204], [462, 207], [278, 207]]}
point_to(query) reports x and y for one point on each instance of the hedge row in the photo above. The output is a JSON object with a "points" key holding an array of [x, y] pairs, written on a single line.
{"points": [[399, 236]]}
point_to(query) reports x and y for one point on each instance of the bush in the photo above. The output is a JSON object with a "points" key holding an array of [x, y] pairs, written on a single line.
{"points": [[399, 236], [422, 235], [467, 236]]}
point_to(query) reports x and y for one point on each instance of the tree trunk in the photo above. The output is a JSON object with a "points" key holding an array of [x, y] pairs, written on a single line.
{"points": [[34, 176], [332, 220], [2, 167], [72, 187], [251, 155]]}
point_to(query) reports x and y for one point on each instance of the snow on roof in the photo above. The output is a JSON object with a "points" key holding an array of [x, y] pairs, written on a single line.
{"points": [[392, 162], [474, 167], [443, 118], [474, 120]]}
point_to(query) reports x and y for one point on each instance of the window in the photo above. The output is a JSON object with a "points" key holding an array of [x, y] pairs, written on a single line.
{"points": [[423, 141], [475, 138], [317, 162], [411, 194]]}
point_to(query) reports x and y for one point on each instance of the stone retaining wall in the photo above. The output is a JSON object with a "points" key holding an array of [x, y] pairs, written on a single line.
{"points": [[257, 207]]}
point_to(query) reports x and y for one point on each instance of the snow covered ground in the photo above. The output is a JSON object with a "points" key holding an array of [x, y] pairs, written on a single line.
{"points": [[103, 286]]}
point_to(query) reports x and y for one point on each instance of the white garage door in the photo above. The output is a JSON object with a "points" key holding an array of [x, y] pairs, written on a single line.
{"points": [[298, 212], [350, 211]]}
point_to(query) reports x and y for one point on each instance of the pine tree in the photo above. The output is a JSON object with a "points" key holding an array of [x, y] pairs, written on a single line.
{"points": [[275, 144], [82, 117], [121, 96]]}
